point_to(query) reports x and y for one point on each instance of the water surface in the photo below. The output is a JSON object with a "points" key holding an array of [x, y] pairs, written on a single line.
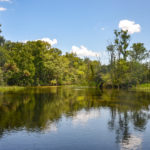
{"points": [[64, 118]]}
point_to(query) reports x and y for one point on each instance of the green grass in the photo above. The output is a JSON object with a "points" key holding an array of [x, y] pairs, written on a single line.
{"points": [[11, 88], [143, 87]]}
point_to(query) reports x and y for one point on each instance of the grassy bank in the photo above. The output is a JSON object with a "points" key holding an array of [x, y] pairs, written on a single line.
{"points": [[143, 87], [11, 88]]}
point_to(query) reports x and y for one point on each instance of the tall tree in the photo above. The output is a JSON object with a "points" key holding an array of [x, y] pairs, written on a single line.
{"points": [[138, 52], [122, 39]]}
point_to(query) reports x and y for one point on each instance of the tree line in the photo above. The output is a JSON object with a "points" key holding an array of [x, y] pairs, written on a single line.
{"points": [[36, 63]]}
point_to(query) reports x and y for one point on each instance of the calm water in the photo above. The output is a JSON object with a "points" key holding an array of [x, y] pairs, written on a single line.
{"points": [[66, 118]]}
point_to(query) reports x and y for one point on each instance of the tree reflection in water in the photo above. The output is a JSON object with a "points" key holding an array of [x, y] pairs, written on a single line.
{"points": [[41, 109]]}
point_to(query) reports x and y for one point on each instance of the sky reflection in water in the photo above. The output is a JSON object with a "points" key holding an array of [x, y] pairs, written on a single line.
{"points": [[66, 118]]}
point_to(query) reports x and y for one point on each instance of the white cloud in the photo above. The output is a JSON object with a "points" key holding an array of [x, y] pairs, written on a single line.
{"points": [[134, 142], [82, 51], [130, 26], [48, 40], [82, 117], [4, 0], [24, 41], [50, 127], [2, 9]]}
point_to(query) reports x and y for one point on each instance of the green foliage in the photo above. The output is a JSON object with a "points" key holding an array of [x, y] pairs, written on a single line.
{"points": [[36, 63], [127, 68], [121, 42], [138, 52], [1, 77]]}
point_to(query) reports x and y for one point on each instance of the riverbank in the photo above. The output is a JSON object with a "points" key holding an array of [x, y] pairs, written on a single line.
{"points": [[142, 87], [19, 88], [11, 88]]}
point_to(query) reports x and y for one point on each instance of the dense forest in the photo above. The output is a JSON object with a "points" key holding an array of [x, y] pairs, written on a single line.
{"points": [[36, 63]]}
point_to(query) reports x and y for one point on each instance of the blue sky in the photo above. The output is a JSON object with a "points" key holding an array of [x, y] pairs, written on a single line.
{"points": [[85, 24]]}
